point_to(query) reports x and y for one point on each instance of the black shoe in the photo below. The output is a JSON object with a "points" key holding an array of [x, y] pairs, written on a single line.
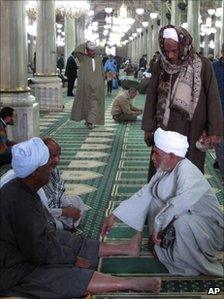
{"points": [[70, 94], [216, 165]]}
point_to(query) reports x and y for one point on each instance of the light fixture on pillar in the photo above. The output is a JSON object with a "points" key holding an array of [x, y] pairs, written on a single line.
{"points": [[184, 25], [218, 12], [145, 24], [139, 30], [153, 15], [134, 34], [140, 11]]}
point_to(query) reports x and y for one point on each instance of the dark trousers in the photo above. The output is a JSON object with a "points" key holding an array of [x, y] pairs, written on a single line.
{"points": [[71, 82], [109, 86], [5, 159]]}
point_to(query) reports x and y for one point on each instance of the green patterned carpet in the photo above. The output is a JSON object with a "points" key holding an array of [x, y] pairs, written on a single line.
{"points": [[104, 166]]}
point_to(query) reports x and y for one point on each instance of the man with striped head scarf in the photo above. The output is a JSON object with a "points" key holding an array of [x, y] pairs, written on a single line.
{"points": [[182, 95]]}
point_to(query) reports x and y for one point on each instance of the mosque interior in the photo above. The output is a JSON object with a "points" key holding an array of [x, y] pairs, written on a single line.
{"points": [[109, 163]]}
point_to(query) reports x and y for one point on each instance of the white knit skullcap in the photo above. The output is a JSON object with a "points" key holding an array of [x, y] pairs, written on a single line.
{"points": [[171, 142], [90, 46], [27, 156], [171, 33]]}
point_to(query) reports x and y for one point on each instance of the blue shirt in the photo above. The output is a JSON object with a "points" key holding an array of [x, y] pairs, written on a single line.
{"points": [[219, 72]]}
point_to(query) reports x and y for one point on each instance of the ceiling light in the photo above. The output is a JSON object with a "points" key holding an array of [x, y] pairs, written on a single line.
{"points": [[218, 12], [95, 23], [145, 24], [108, 10], [139, 30], [131, 37], [218, 24], [90, 13], [134, 34], [184, 25], [211, 11], [59, 26], [139, 11], [153, 15]]}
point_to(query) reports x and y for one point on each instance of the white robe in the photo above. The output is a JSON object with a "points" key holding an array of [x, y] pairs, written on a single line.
{"points": [[184, 193]]}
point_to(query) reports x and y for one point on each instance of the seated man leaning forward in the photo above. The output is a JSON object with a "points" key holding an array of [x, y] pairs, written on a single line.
{"points": [[36, 260], [122, 109], [184, 216], [67, 210]]}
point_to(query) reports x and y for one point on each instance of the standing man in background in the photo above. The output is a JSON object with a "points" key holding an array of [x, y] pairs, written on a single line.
{"points": [[90, 94], [71, 73], [219, 72]]}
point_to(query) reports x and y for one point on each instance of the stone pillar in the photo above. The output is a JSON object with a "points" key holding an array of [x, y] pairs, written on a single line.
{"points": [[14, 90], [155, 33], [175, 13], [163, 20], [193, 11], [144, 38], [222, 26], [206, 48], [80, 28], [70, 36], [47, 86], [149, 42], [217, 43]]}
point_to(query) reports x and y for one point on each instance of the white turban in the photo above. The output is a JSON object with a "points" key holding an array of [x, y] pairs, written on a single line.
{"points": [[91, 46], [170, 33], [27, 156], [171, 142]]}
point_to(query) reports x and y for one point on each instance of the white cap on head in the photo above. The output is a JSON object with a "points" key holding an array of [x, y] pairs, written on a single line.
{"points": [[90, 46], [27, 156], [171, 33], [171, 142]]}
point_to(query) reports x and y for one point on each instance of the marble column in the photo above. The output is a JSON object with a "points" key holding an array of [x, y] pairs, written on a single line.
{"points": [[222, 26], [206, 48], [144, 39], [80, 28], [175, 13], [149, 41], [47, 86], [163, 19], [193, 11], [217, 43], [155, 42], [14, 90], [70, 36]]}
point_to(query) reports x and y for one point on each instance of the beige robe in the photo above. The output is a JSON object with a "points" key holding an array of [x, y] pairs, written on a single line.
{"points": [[89, 97]]}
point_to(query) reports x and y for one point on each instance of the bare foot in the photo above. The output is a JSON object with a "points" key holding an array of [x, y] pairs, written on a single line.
{"points": [[147, 284], [133, 246]]}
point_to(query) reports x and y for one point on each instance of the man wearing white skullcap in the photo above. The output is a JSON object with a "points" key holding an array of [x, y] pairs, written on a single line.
{"points": [[182, 95], [89, 98], [39, 261], [27, 156], [181, 209]]}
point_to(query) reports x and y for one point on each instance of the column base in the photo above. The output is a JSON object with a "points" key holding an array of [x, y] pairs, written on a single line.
{"points": [[48, 92], [27, 110]]}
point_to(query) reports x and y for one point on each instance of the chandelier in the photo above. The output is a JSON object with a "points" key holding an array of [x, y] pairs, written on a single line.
{"points": [[72, 9]]}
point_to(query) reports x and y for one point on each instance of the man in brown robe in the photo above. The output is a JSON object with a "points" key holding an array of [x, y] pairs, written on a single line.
{"points": [[182, 95], [90, 94]]}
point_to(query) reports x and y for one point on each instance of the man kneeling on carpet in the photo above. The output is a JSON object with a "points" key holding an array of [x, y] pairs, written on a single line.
{"points": [[184, 217], [122, 109], [39, 261]]}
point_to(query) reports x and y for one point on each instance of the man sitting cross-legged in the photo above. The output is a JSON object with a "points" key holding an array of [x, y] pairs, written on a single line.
{"points": [[122, 109], [39, 261], [184, 217]]}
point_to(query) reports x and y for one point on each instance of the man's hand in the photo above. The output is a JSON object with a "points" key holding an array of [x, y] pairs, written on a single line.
{"points": [[71, 212], [107, 224], [148, 138], [155, 238]]}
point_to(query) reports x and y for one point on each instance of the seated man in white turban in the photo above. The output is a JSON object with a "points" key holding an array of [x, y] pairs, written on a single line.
{"points": [[184, 217], [38, 261]]}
